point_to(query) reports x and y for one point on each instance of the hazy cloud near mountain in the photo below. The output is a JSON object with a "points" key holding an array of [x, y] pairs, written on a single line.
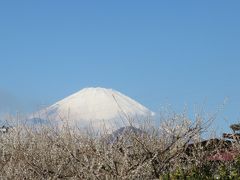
{"points": [[8, 102], [11, 104]]}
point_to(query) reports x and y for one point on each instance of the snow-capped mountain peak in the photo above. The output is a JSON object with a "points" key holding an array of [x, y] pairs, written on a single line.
{"points": [[98, 106]]}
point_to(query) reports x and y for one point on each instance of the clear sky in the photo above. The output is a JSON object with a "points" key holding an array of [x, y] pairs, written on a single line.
{"points": [[157, 52]]}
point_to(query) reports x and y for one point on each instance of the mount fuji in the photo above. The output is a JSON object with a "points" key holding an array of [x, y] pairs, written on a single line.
{"points": [[95, 107]]}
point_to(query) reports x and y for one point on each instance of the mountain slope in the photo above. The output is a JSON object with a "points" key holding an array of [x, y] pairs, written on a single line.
{"points": [[95, 106]]}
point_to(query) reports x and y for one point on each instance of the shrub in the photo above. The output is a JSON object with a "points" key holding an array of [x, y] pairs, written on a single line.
{"points": [[156, 153]]}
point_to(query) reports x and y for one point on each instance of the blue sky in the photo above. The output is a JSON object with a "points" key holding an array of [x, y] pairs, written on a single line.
{"points": [[157, 52]]}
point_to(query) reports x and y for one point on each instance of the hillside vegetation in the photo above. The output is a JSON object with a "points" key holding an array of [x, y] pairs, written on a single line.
{"points": [[171, 151]]}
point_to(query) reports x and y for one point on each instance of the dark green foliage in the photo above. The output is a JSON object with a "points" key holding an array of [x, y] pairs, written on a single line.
{"points": [[209, 170]]}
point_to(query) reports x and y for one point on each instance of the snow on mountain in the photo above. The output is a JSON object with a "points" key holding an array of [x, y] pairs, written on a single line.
{"points": [[97, 107]]}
